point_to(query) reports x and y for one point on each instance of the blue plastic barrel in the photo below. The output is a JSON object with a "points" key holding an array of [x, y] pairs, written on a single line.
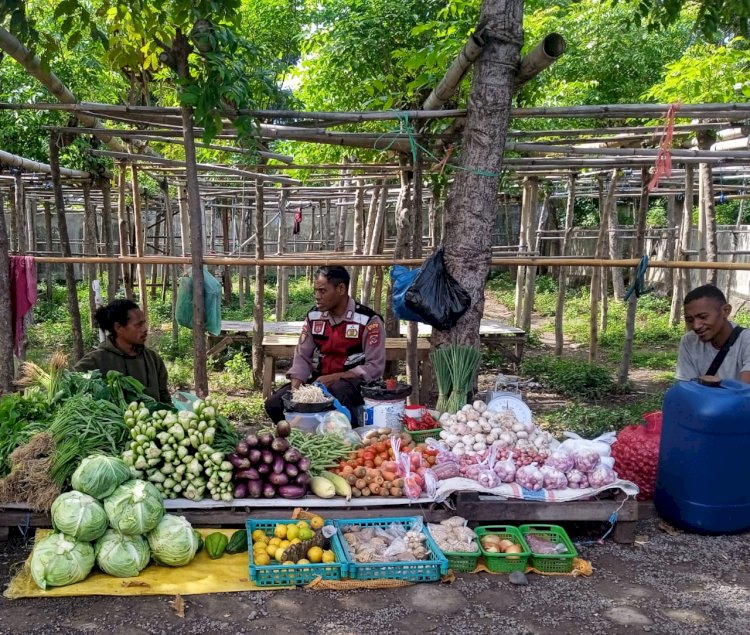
{"points": [[702, 482]]}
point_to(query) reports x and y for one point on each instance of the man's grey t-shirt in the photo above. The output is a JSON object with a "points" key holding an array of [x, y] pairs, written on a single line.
{"points": [[695, 357]]}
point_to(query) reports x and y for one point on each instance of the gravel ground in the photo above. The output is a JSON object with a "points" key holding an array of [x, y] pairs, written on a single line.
{"points": [[666, 584]]}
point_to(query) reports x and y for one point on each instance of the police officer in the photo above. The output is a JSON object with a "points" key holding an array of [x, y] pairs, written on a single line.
{"points": [[342, 345]]}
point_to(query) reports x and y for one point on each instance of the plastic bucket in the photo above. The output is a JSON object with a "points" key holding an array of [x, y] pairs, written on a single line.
{"points": [[415, 412], [383, 413], [305, 421]]}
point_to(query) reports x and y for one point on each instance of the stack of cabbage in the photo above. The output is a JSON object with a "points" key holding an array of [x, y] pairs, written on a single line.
{"points": [[112, 520]]}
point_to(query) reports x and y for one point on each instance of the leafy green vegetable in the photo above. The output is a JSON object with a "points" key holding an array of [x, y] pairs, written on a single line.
{"points": [[99, 475], [173, 542], [136, 507], [59, 560], [79, 515], [120, 555], [21, 416]]}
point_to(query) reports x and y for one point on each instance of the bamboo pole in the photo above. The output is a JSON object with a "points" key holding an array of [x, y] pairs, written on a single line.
{"points": [[455, 73], [670, 239], [157, 240], [375, 217], [89, 247], [185, 237], [640, 235], [615, 251], [540, 57], [105, 186], [358, 237], [123, 229], [282, 273], [62, 227], [172, 269], [259, 288], [529, 290], [139, 239], [6, 319], [227, 273], [15, 161], [412, 333], [705, 139], [562, 275], [20, 207], [15, 234], [48, 243], [527, 201]]}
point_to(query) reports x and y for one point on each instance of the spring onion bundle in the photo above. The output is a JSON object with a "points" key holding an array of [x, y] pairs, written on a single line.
{"points": [[455, 366]]}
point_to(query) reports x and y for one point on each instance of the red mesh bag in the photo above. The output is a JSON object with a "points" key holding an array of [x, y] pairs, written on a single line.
{"points": [[636, 454]]}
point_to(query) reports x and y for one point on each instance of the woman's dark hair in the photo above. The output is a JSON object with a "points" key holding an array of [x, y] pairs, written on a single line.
{"points": [[334, 275], [115, 312]]}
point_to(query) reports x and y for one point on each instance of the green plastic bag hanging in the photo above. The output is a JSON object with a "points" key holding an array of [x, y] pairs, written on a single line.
{"points": [[211, 300]]}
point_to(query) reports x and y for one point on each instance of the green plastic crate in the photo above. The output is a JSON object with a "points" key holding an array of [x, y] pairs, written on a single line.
{"points": [[292, 574], [420, 436], [429, 570], [504, 562], [546, 562], [462, 561]]}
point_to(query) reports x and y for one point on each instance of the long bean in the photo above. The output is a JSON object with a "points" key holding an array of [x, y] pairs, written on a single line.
{"points": [[324, 450]]}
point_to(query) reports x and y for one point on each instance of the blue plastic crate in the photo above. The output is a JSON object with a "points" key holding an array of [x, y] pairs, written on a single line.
{"points": [[292, 574], [429, 570]]}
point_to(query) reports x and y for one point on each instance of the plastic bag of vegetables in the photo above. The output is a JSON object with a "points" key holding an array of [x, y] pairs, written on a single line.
{"points": [[59, 560], [136, 507], [99, 475], [173, 542], [120, 555], [78, 515]]}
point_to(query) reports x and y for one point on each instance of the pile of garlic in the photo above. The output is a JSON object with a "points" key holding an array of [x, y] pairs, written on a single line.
{"points": [[453, 535], [474, 428]]}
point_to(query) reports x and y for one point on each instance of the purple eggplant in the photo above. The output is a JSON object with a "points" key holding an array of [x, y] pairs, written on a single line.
{"points": [[252, 440], [278, 479], [269, 491], [280, 445], [292, 491], [264, 468], [304, 464], [255, 456], [283, 428], [255, 488], [291, 469], [278, 465], [265, 439], [240, 490], [242, 448], [292, 455], [240, 462], [268, 457], [303, 479], [250, 474]]}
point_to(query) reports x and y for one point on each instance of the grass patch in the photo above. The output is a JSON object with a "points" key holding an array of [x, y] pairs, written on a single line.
{"points": [[648, 359], [570, 377]]}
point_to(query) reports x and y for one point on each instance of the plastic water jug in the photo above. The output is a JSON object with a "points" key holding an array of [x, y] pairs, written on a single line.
{"points": [[702, 480]]}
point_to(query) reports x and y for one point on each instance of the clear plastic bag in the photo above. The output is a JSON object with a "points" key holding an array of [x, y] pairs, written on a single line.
{"points": [[601, 444], [335, 423], [413, 482], [553, 478], [586, 459], [561, 460], [602, 476], [530, 477], [211, 302], [486, 475], [506, 470], [577, 479]]}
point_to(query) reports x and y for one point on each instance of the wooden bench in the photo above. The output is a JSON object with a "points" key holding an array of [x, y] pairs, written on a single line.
{"points": [[282, 347]]}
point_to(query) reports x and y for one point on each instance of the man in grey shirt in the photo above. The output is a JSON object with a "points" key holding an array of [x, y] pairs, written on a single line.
{"points": [[709, 329]]}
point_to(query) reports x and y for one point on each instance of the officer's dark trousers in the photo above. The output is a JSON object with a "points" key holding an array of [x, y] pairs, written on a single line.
{"points": [[345, 390]]}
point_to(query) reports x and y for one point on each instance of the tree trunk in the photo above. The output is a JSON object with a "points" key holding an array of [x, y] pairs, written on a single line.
{"points": [[109, 247], [282, 273], [682, 276], [6, 320], [412, 333], [48, 245], [562, 274], [471, 208], [62, 228], [358, 232], [640, 241], [705, 139], [124, 230], [615, 251], [259, 288], [89, 248], [401, 250], [140, 238], [180, 50]]}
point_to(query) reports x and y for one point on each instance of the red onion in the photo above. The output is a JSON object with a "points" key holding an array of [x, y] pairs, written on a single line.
{"points": [[601, 476], [530, 477], [553, 478], [577, 479], [586, 460], [561, 460], [506, 470]]}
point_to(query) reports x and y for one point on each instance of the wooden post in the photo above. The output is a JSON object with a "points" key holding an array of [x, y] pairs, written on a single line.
{"points": [[6, 320], [615, 251], [140, 238], [670, 239], [375, 219], [157, 240], [48, 244], [603, 292], [412, 333], [89, 248], [328, 239], [227, 273], [170, 249], [403, 239], [243, 282], [124, 230], [530, 284], [185, 225], [343, 214], [358, 232], [62, 227], [562, 274], [31, 209], [528, 201], [708, 208], [282, 273], [259, 288], [17, 223], [640, 241], [681, 281], [109, 247]]}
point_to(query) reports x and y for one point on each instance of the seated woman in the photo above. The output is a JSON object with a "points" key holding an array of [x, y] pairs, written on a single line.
{"points": [[125, 351]]}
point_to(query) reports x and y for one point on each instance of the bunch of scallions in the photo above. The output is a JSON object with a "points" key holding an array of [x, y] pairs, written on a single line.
{"points": [[455, 367]]}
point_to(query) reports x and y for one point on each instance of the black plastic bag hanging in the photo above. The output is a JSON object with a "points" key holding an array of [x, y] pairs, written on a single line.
{"points": [[436, 296]]}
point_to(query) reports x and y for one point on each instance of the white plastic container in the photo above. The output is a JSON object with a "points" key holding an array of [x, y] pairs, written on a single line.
{"points": [[307, 422], [383, 414]]}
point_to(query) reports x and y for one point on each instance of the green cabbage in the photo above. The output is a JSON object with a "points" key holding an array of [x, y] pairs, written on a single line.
{"points": [[58, 560], [121, 556], [136, 507], [173, 542], [79, 515], [99, 475]]}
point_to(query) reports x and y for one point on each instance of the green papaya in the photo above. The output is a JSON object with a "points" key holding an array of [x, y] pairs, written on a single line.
{"points": [[238, 542], [216, 544]]}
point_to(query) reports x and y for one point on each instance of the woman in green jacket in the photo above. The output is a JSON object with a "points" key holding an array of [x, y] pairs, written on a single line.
{"points": [[125, 351]]}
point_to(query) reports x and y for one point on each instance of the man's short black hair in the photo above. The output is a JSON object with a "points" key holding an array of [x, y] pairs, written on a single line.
{"points": [[334, 275], [116, 312], [705, 291]]}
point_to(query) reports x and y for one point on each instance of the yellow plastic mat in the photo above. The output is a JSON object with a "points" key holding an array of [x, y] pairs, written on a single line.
{"points": [[581, 567], [203, 575]]}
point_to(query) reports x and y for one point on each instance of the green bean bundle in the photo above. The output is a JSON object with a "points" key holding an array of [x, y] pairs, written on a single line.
{"points": [[325, 451]]}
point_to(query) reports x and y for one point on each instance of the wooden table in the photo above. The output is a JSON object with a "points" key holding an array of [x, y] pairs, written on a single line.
{"points": [[493, 333], [282, 347]]}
